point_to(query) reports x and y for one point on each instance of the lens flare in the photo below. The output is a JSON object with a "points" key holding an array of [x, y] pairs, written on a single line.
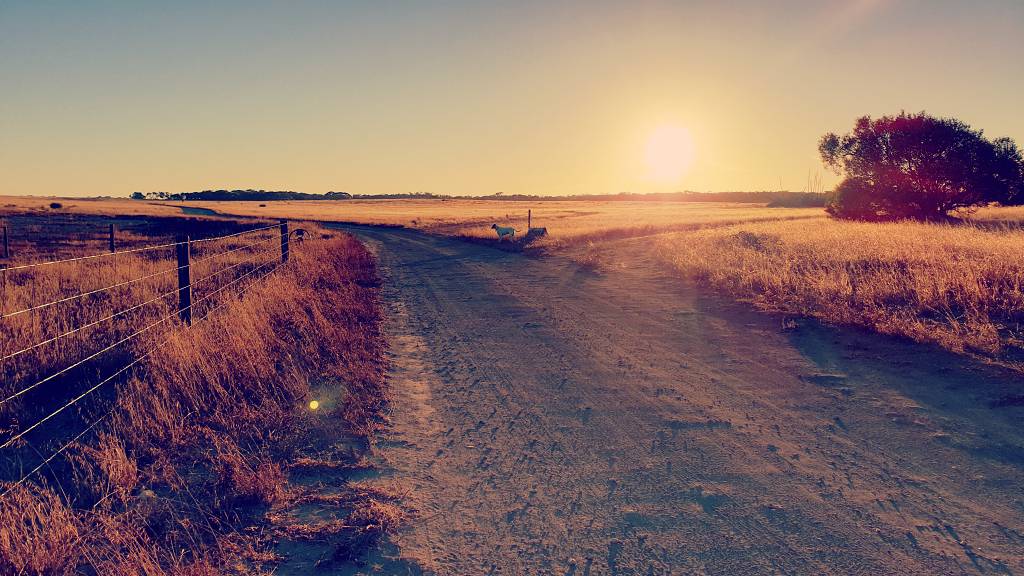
{"points": [[314, 404]]}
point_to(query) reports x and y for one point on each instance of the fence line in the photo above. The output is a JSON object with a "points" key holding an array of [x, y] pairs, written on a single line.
{"points": [[90, 257], [83, 294], [223, 252], [134, 280], [233, 266], [89, 325], [218, 290], [135, 307], [206, 297], [84, 360], [132, 250]]}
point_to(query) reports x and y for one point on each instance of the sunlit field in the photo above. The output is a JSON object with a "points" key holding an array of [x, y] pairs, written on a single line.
{"points": [[42, 205], [202, 411], [957, 285], [960, 286], [565, 221]]}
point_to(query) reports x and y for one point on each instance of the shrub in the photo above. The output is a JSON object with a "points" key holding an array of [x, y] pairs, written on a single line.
{"points": [[56, 205], [916, 166]]}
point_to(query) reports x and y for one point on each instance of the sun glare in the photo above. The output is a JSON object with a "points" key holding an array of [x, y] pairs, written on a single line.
{"points": [[669, 154]]}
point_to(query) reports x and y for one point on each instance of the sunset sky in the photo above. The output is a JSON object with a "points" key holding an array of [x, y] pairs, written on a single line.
{"points": [[103, 98]]}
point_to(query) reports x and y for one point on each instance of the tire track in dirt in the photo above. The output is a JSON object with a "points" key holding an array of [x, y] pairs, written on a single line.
{"points": [[551, 420]]}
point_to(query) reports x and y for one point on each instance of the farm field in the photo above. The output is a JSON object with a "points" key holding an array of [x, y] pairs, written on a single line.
{"points": [[512, 288], [567, 222], [113, 407], [955, 285], [608, 331], [959, 286]]}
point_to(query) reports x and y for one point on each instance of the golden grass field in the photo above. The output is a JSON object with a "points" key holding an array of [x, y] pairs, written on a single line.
{"points": [[88, 206], [195, 450], [566, 221], [242, 385], [956, 285], [959, 286]]}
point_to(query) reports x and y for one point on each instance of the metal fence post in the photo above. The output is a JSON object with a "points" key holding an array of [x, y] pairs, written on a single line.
{"points": [[284, 241], [112, 249], [184, 280]]}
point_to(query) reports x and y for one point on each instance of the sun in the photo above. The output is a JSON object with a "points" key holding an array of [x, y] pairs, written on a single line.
{"points": [[669, 154]]}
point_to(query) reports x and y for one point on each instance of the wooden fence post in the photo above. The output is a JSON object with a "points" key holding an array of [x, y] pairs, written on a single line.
{"points": [[112, 249], [529, 220], [184, 281], [284, 241], [7, 245]]}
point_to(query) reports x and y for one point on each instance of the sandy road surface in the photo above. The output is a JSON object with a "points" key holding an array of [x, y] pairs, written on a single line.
{"points": [[555, 421]]}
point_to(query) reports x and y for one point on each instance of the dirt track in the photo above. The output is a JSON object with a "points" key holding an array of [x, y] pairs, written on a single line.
{"points": [[551, 420]]}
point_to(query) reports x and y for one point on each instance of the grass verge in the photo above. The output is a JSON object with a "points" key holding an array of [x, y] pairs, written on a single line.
{"points": [[958, 286], [183, 474]]}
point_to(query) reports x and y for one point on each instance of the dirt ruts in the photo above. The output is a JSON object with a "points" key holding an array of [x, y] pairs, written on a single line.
{"points": [[550, 420]]}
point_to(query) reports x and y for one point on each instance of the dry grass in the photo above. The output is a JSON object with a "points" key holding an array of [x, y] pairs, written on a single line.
{"points": [[109, 316], [40, 205], [38, 533], [955, 285], [567, 222], [196, 448], [1011, 216]]}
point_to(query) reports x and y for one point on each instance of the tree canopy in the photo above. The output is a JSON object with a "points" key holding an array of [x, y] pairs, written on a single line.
{"points": [[916, 166]]}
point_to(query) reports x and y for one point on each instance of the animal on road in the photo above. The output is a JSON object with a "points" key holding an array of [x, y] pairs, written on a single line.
{"points": [[504, 231]]}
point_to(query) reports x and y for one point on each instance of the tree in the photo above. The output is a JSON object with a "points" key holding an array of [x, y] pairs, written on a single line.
{"points": [[920, 167], [138, 196]]}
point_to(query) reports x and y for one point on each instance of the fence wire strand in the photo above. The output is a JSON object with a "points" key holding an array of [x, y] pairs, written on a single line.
{"points": [[21, 434], [56, 453], [132, 250], [90, 292], [137, 306]]}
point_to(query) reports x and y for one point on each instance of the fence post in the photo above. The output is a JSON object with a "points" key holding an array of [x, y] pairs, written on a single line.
{"points": [[284, 241], [112, 249], [529, 220], [184, 280], [7, 245]]}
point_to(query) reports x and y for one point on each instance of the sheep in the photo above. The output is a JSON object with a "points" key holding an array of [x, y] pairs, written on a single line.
{"points": [[504, 231]]}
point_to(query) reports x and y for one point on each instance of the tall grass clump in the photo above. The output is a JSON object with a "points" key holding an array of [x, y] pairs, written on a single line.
{"points": [[194, 453], [958, 286]]}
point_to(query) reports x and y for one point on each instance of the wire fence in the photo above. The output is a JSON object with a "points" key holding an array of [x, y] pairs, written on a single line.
{"points": [[95, 369]]}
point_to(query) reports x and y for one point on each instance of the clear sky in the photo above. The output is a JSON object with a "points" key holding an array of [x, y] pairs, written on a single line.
{"points": [[477, 97]]}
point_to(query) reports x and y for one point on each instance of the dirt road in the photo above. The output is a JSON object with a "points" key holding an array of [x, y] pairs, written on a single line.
{"points": [[555, 421]]}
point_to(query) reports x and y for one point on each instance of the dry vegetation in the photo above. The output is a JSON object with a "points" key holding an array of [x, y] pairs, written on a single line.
{"points": [[181, 475], [41, 205], [107, 316], [960, 286], [955, 285], [567, 222]]}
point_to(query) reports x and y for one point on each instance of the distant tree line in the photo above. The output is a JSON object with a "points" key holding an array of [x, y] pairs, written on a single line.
{"points": [[772, 198], [229, 195]]}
